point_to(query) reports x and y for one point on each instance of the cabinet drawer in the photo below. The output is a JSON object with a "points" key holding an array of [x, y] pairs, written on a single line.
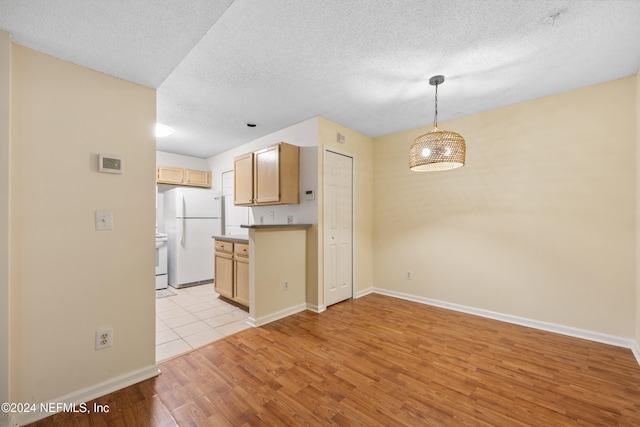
{"points": [[241, 250], [224, 246]]}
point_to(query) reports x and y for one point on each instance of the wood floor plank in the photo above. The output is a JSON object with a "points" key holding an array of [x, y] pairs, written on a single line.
{"points": [[380, 361]]}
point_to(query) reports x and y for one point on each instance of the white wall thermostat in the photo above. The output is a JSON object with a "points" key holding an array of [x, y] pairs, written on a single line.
{"points": [[110, 164]]}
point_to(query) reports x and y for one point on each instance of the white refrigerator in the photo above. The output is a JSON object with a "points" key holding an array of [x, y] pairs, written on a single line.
{"points": [[191, 217]]}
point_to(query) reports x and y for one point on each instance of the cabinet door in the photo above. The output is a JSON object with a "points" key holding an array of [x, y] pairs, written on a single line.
{"points": [[223, 282], [267, 175], [198, 178], [243, 180], [241, 280], [169, 175], [289, 174]]}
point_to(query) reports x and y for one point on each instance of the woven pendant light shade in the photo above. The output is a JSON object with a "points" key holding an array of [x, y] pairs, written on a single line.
{"points": [[437, 150]]}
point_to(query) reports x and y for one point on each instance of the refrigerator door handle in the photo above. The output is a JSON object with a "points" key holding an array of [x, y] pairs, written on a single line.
{"points": [[181, 206], [181, 230]]}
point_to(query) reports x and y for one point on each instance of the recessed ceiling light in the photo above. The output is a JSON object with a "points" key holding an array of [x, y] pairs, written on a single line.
{"points": [[163, 130], [251, 125]]}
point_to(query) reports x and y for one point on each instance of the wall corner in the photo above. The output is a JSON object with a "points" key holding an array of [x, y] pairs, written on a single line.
{"points": [[5, 152], [637, 119]]}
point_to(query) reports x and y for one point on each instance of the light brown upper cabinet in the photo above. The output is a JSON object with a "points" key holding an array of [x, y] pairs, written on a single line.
{"points": [[169, 175], [197, 178], [179, 176], [270, 176], [243, 179]]}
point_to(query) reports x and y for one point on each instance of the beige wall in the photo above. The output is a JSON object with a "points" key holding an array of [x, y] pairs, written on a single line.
{"points": [[361, 148], [540, 223], [267, 271], [638, 212], [69, 280], [5, 105], [181, 161]]}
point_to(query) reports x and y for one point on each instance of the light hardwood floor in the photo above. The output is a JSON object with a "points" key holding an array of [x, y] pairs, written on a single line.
{"points": [[383, 361]]}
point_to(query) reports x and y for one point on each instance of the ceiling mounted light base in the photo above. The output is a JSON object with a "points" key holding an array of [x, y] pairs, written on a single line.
{"points": [[438, 149], [436, 80]]}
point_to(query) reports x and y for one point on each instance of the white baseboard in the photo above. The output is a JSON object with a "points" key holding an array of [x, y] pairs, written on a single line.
{"points": [[276, 316], [636, 351], [316, 308], [363, 292], [545, 326], [89, 393], [356, 295]]}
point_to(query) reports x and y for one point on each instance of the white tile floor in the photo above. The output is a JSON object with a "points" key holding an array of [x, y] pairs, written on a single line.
{"points": [[192, 318]]}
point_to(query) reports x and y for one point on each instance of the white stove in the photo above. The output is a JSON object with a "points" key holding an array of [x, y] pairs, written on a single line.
{"points": [[161, 261]]}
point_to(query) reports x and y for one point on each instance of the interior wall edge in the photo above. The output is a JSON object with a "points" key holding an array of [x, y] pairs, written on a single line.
{"points": [[316, 308], [256, 322], [637, 118], [363, 292], [636, 351], [5, 229]]}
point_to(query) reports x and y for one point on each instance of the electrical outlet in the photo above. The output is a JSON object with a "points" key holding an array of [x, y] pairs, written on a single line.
{"points": [[408, 275], [104, 338], [261, 219], [290, 219], [285, 286]]}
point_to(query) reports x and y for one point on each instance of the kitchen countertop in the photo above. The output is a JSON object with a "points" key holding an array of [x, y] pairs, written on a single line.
{"points": [[258, 226], [240, 238]]}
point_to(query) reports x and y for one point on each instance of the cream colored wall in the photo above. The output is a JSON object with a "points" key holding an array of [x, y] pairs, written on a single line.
{"points": [[5, 105], [361, 147], [276, 255], [638, 213], [540, 223], [69, 280], [181, 161]]}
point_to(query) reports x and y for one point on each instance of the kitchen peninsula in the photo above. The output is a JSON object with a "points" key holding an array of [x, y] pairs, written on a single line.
{"points": [[276, 269]]}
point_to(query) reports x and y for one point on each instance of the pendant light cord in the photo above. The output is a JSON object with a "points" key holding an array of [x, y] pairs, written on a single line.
{"points": [[435, 118]]}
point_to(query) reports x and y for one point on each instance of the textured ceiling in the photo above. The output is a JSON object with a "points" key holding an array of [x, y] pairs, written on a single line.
{"points": [[362, 63]]}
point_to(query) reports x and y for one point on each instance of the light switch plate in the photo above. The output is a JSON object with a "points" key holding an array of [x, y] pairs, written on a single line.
{"points": [[104, 220]]}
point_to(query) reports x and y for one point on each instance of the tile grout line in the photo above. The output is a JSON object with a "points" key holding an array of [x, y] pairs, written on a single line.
{"points": [[190, 340]]}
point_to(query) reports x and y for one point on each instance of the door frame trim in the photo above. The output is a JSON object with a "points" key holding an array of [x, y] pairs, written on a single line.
{"points": [[339, 151]]}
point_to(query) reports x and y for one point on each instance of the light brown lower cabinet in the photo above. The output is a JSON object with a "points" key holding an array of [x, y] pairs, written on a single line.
{"points": [[232, 270], [223, 281]]}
